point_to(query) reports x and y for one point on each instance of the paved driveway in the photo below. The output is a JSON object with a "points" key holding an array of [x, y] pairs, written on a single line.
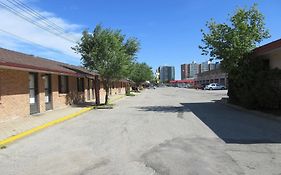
{"points": [[163, 131]]}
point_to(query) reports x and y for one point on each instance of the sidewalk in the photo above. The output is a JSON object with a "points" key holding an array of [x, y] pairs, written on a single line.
{"points": [[17, 126]]}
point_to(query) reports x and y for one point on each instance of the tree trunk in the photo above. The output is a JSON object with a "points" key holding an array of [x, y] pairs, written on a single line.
{"points": [[97, 90], [106, 95], [106, 91]]}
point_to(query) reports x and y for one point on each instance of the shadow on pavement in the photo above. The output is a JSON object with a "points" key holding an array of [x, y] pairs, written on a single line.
{"points": [[84, 104], [234, 126], [172, 109], [179, 110]]}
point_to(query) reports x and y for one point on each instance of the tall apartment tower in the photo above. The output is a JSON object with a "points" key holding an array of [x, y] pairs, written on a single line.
{"points": [[217, 65], [193, 69], [212, 66], [204, 66], [167, 73], [184, 71]]}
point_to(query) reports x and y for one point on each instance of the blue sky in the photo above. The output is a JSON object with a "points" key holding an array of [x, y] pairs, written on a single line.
{"points": [[169, 30]]}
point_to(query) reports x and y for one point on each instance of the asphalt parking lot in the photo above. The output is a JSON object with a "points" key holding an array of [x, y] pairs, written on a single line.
{"points": [[172, 131]]}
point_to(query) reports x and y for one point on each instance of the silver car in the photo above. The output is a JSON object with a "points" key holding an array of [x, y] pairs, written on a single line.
{"points": [[214, 86]]}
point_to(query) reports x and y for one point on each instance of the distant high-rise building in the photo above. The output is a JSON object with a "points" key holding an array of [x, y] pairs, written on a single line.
{"points": [[190, 70], [217, 65], [193, 69], [184, 71], [204, 67], [167, 73], [212, 66]]}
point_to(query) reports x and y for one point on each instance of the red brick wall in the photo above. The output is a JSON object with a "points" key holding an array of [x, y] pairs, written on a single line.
{"points": [[14, 92], [118, 89], [72, 97], [59, 99]]}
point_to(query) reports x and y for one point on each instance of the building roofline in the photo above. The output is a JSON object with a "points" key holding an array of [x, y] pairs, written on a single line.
{"points": [[35, 68], [267, 47], [59, 67]]}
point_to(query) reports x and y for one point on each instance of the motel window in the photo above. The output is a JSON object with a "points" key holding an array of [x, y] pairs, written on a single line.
{"points": [[63, 84], [80, 84]]}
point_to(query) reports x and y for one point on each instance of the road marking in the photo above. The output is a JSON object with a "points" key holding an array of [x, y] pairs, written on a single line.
{"points": [[41, 127]]}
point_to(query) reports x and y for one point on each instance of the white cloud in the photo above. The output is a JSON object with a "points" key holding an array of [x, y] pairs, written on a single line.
{"points": [[17, 26]]}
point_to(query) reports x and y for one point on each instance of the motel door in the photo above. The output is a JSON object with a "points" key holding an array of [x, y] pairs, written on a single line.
{"points": [[93, 89], [88, 90], [33, 93], [48, 93]]}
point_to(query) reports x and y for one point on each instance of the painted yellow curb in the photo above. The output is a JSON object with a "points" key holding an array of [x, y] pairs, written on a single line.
{"points": [[46, 125]]}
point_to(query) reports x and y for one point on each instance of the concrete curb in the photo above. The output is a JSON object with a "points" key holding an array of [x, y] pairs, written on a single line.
{"points": [[26, 133], [41, 127], [260, 114]]}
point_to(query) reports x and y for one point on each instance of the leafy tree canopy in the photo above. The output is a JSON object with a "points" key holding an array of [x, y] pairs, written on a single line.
{"points": [[108, 52], [231, 42], [140, 73]]}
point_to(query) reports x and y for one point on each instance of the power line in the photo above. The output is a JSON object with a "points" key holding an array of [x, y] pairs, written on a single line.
{"points": [[27, 40], [37, 15], [32, 21]]}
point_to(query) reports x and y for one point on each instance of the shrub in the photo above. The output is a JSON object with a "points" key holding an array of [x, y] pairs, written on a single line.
{"points": [[255, 86]]}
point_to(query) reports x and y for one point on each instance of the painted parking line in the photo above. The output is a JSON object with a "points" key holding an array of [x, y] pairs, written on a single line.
{"points": [[41, 127]]}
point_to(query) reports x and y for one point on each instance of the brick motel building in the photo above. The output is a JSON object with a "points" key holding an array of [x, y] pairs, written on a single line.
{"points": [[30, 85]]}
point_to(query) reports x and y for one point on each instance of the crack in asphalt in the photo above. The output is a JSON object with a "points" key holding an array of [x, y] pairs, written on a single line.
{"points": [[89, 169]]}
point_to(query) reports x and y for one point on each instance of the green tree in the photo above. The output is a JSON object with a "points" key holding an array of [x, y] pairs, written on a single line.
{"points": [[231, 42], [140, 73], [108, 52]]}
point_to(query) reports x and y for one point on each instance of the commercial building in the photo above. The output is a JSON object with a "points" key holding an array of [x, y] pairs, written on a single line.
{"points": [[167, 73], [212, 76], [30, 85], [183, 83], [211, 73]]}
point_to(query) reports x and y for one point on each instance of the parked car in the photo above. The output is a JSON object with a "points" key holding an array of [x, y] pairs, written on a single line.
{"points": [[200, 86], [214, 86]]}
